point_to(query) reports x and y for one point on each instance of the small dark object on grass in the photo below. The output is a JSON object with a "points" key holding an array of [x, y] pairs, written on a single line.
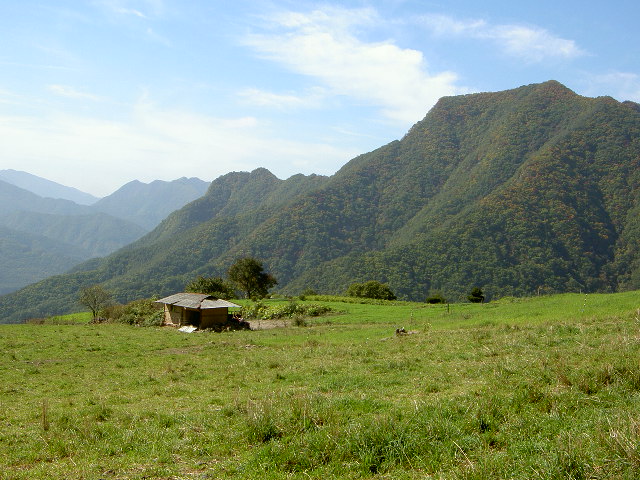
{"points": [[402, 331]]}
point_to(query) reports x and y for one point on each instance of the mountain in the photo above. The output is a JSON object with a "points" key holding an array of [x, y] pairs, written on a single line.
{"points": [[232, 207], [530, 190], [93, 235], [25, 258], [82, 232], [148, 204], [14, 199], [45, 188], [45, 236], [143, 204]]}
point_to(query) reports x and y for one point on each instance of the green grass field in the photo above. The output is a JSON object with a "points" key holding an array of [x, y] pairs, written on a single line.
{"points": [[540, 388]]}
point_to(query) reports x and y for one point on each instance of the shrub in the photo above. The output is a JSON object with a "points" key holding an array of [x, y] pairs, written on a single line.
{"points": [[371, 289], [476, 295], [436, 297], [307, 293], [260, 311], [144, 313]]}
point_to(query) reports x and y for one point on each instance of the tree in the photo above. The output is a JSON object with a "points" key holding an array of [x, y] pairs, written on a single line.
{"points": [[214, 286], [249, 276], [371, 289], [95, 298], [476, 295]]}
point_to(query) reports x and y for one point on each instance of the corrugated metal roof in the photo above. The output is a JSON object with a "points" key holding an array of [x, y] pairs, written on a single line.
{"points": [[206, 303], [195, 300]]}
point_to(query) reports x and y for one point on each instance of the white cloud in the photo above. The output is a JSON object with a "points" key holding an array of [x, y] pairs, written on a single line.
{"points": [[152, 35], [261, 98], [322, 45], [622, 85], [144, 11], [134, 8], [533, 44], [530, 43], [70, 92], [130, 11], [98, 155], [9, 98], [445, 25]]}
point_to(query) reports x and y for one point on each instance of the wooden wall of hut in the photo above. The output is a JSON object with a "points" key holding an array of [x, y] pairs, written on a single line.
{"points": [[213, 316]]}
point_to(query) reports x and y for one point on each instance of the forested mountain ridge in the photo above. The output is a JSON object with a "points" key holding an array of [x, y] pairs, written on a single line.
{"points": [[526, 190], [544, 198]]}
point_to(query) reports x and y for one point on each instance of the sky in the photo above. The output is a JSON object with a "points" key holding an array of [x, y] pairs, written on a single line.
{"points": [[97, 93]]}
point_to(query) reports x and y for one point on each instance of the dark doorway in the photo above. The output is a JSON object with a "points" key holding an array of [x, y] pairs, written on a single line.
{"points": [[192, 317]]}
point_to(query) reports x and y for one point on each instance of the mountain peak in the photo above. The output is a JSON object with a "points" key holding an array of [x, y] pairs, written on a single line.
{"points": [[46, 188]]}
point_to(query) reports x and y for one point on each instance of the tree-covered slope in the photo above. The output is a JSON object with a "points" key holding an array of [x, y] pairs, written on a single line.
{"points": [[527, 190], [551, 206]]}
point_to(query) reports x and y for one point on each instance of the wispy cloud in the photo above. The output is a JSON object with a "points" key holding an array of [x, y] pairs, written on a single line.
{"points": [[156, 37], [131, 11], [534, 44], [137, 8], [622, 85], [262, 98], [445, 25], [70, 92], [530, 43], [137, 15], [154, 143], [322, 44], [37, 66]]}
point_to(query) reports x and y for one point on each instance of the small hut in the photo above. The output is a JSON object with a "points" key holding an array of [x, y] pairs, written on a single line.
{"points": [[197, 309]]}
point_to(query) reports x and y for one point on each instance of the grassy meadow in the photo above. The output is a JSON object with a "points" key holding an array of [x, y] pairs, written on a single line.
{"points": [[539, 388]]}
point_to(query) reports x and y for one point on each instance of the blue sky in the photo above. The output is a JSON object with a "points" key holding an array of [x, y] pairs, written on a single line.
{"points": [[95, 93]]}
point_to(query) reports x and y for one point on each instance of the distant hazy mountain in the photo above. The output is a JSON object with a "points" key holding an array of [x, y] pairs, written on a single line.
{"points": [[147, 204], [26, 258], [46, 236], [94, 235], [50, 235], [46, 188], [13, 198]]}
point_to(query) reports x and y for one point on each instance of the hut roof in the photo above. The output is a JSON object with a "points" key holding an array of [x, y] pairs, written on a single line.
{"points": [[198, 301]]}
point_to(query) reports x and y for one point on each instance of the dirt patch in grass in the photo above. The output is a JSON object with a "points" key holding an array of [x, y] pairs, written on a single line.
{"points": [[182, 351], [268, 324]]}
